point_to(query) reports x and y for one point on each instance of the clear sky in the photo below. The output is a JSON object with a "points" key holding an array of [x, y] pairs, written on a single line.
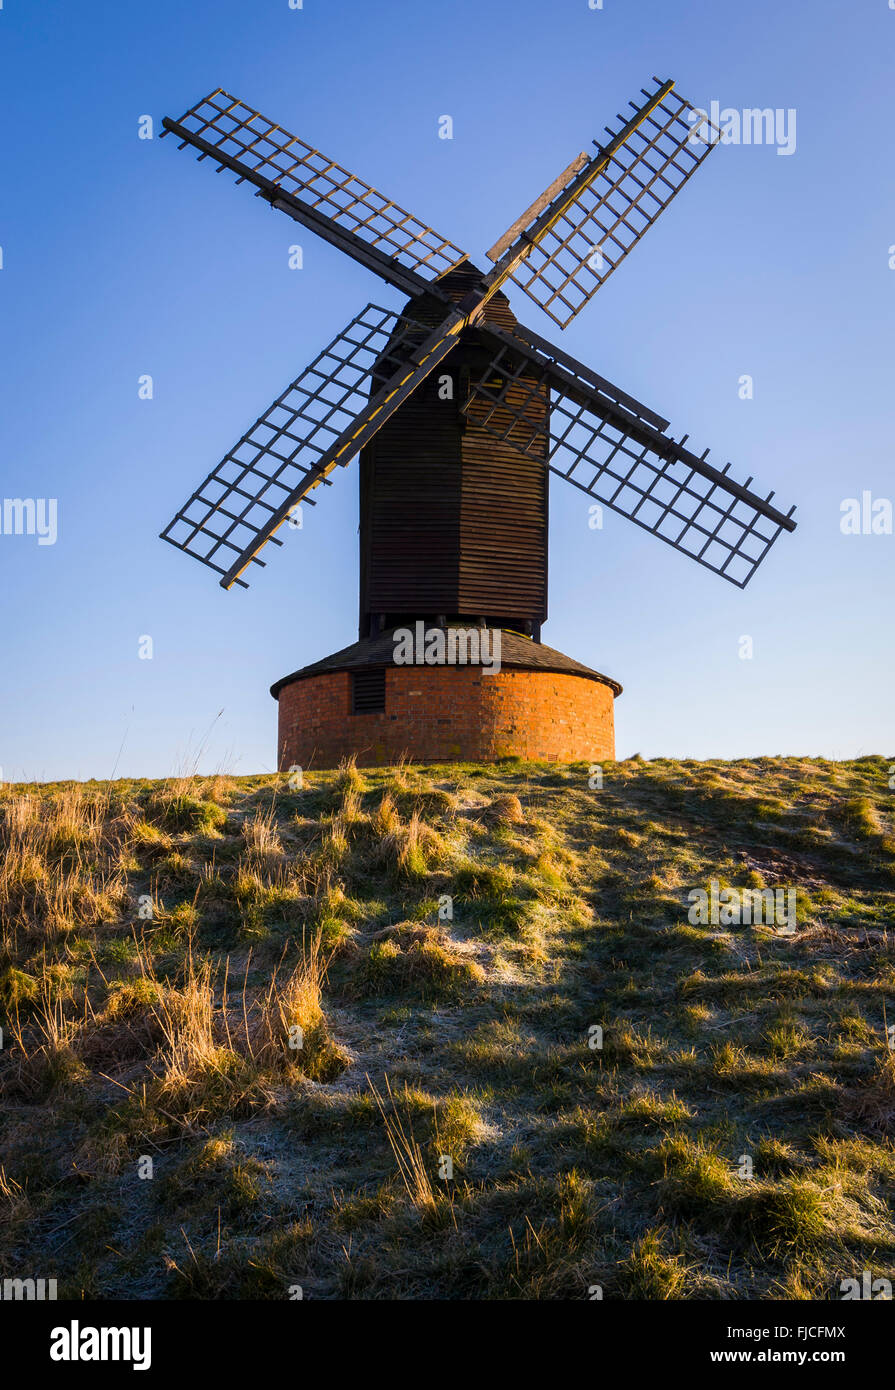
{"points": [[124, 257]]}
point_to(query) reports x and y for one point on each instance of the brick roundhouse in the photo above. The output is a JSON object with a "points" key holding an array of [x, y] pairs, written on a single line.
{"points": [[539, 705]]}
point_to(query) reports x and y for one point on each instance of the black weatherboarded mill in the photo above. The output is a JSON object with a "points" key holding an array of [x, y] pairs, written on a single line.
{"points": [[456, 410], [453, 521]]}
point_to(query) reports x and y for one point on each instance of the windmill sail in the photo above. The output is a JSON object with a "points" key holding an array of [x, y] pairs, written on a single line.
{"points": [[603, 441], [321, 419], [609, 203], [299, 180]]}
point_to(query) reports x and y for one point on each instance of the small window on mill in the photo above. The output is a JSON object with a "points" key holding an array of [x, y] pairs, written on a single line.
{"points": [[368, 691]]}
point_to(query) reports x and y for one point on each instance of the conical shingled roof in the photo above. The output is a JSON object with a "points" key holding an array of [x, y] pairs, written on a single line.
{"points": [[516, 653]]}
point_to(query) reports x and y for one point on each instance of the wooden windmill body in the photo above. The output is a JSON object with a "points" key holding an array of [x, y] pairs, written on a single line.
{"points": [[453, 522], [458, 413]]}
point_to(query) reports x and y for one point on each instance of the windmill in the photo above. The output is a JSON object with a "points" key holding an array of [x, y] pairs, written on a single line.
{"points": [[458, 413]]}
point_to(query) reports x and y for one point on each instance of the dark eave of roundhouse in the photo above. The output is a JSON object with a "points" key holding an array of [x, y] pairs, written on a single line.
{"points": [[517, 653]]}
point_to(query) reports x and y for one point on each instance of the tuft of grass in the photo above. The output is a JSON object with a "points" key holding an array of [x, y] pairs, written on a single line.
{"points": [[216, 1180], [264, 847], [420, 961], [425, 1198], [504, 809], [408, 849], [651, 1271], [872, 1104], [788, 1218], [696, 1181], [179, 812], [287, 1028]]}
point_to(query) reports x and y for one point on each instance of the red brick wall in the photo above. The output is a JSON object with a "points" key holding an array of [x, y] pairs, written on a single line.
{"points": [[447, 714]]}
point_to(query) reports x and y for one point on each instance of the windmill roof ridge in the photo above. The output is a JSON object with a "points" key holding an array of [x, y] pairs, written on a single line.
{"points": [[517, 651]]}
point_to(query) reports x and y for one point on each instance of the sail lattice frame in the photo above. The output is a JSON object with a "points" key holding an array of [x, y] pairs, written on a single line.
{"points": [[238, 134], [610, 214], [602, 447], [278, 460]]}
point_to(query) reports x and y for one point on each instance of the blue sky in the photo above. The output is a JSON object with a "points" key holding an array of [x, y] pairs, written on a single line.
{"points": [[123, 257]]}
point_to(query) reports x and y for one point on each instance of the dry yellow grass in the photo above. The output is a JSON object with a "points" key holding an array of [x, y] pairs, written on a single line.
{"points": [[454, 934]]}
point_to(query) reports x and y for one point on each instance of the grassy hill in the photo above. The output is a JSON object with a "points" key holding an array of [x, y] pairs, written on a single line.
{"points": [[161, 943]]}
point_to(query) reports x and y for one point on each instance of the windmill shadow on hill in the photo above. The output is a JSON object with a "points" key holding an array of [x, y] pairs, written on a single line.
{"points": [[458, 412]]}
